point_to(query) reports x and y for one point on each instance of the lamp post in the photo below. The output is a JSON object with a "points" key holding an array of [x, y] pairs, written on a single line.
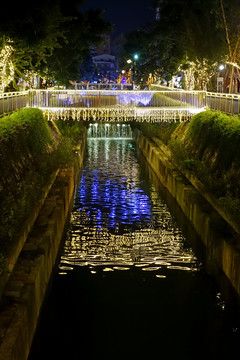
{"points": [[135, 57], [132, 65], [220, 78], [129, 61]]}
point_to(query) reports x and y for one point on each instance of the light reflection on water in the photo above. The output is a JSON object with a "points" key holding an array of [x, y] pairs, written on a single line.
{"points": [[119, 220], [127, 286]]}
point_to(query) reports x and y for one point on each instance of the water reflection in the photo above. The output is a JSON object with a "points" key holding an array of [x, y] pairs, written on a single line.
{"points": [[127, 286], [119, 220]]}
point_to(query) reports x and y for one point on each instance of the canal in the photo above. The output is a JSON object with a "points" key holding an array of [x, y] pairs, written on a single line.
{"points": [[130, 282]]}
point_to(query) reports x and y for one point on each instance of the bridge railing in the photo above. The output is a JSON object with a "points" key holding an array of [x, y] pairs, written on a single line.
{"points": [[101, 86], [115, 98], [12, 101], [228, 103]]}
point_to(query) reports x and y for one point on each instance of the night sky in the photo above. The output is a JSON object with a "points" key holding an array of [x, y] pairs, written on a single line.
{"points": [[126, 15]]}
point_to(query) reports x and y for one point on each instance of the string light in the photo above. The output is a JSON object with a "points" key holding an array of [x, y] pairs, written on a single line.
{"points": [[6, 66], [198, 73], [233, 64], [122, 115]]}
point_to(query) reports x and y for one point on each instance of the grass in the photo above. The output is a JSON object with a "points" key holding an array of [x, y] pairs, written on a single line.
{"points": [[162, 130], [29, 154], [208, 147]]}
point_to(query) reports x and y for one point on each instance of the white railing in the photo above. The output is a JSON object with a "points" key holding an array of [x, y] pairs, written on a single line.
{"points": [[101, 86], [227, 103], [121, 101], [115, 99], [12, 101]]}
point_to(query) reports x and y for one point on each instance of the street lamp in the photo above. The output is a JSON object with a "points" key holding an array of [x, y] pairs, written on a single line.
{"points": [[220, 79]]}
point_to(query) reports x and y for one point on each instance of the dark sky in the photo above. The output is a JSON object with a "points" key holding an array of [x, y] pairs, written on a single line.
{"points": [[127, 15]]}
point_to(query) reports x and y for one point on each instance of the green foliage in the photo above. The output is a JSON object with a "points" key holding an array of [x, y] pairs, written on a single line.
{"points": [[25, 147], [208, 147], [186, 29], [28, 157], [220, 134], [162, 130], [81, 31], [71, 129], [51, 37]]}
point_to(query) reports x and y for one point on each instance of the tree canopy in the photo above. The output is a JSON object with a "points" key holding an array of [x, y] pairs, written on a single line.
{"points": [[50, 37], [187, 32]]}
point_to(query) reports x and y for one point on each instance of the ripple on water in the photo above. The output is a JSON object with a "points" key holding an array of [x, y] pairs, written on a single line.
{"points": [[119, 221]]}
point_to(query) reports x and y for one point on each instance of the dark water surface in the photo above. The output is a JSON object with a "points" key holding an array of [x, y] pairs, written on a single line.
{"points": [[129, 285]]}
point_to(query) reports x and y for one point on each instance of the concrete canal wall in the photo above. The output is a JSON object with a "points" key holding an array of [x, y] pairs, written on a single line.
{"points": [[27, 285], [221, 242]]}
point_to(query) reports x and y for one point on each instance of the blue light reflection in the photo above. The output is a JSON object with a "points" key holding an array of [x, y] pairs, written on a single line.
{"points": [[110, 201]]}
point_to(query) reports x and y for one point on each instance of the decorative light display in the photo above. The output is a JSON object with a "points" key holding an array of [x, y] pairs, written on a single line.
{"points": [[30, 78], [124, 78], [197, 74], [117, 105], [233, 64], [121, 114], [6, 66]]}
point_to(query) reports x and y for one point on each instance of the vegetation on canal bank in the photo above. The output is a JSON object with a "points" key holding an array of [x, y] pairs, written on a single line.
{"points": [[31, 149], [208, 148]]}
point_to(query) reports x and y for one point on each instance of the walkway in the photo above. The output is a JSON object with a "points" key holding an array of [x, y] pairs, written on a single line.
{"points": [[120, 105]]}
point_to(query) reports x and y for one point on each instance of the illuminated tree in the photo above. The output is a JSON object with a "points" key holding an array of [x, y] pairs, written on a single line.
{"points": [[186, 29], [231, 22], [6, 65], [50, 38]]}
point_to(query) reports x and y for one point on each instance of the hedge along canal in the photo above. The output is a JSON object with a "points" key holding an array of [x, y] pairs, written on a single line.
{"points": [[30, 257], [132, 286]]}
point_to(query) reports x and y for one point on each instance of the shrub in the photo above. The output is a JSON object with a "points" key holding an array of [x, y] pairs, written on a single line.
{"points": [[28, 156], [217, 133], [162, 130]]}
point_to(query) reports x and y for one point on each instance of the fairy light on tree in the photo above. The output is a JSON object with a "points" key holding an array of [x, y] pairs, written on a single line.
{"points": [[197, 74], [6, 66]]}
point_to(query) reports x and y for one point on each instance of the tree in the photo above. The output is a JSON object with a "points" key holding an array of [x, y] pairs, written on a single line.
{"points": [[81, 33], [186, 35], [230, 14], [50, 37]]}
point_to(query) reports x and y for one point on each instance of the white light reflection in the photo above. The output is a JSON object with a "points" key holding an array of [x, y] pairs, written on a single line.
{"points": [[118, 223]]}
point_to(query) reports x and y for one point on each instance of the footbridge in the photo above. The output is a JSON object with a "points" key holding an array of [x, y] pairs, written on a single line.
{"points": [[120, 105]]}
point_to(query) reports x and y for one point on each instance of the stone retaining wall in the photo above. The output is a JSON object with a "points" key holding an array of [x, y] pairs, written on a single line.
{"points": [[222, 247], [25, 291]]}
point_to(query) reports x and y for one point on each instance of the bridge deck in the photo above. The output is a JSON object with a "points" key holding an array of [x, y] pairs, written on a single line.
{"points": [[118, 105]]}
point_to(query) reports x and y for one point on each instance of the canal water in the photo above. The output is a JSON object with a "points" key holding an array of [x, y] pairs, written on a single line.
{"points": [[130, 284]]}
